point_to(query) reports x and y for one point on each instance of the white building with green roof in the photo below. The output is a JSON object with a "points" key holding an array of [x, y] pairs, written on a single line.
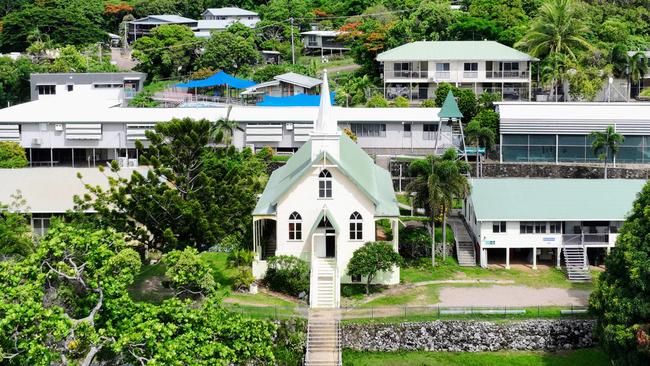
{"points": [[532, 220], [415, 69], [322, 205]]}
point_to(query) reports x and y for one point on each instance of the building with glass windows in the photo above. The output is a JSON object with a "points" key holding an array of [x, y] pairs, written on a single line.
{"points": [[560, 132]]}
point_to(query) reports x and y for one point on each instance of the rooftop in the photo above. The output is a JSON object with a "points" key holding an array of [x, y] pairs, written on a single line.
{"points": [[229, 11], [525, 199], [298, 79], [454, 50], [322, 33], [163, 18], [224, 23]]}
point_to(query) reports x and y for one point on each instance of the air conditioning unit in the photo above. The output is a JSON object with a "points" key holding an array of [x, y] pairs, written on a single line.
{"points": [[133, 163], [289, 126], [37, 141], [123, 162], [58, 127]]}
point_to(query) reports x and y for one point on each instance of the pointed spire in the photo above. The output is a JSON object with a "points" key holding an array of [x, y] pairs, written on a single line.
{"points": [[325, 123], [449, 108]]}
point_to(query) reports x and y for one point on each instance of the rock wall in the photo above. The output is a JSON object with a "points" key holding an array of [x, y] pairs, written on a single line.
{"points": [[470, 336], [495, 170]]}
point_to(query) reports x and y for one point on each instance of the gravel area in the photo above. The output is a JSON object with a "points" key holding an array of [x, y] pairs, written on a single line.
{"points": [[512, 296]]}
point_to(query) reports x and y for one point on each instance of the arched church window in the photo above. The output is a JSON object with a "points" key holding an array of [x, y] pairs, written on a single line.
{"points": [[325, 184], [356, 226], [295, 226]]}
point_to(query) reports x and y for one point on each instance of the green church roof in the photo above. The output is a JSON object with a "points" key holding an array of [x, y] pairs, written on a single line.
{"points": [[371, 179], [525, 199], [450, 108]]}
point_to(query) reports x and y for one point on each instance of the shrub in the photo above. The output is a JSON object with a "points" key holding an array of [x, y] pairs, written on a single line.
{"points": [[287, 274], [401, 102], [414, 242], [372, 258], [377, 101], [240, 258], [428, 103], [350, 134], [12, 155], [243, 279], [266, 154], [188, 275]]}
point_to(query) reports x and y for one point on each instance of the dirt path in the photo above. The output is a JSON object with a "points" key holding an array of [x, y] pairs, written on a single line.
{"points": [[512, 296]]}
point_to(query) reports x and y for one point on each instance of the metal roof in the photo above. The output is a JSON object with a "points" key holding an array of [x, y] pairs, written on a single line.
{"points": [[220, 24], [454, 50], [50, 190], [525, 199], [322, 33], [163, 19], [229, 11], [371, 179], [450, 108], [298, 79], [573, 118]]}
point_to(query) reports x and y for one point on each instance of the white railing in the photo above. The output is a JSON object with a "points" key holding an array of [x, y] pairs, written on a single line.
{"points": [[582, 239], [470, 74], [454, 75], [443, 75]]}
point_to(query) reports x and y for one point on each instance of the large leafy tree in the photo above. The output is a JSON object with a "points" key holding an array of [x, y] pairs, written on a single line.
{"points": [[622, 296], [372, 258], [606, 144], [63, 25], [14, 79], [229, 52], [68, 303], [194, 194], [168, 51], [479, 136]]}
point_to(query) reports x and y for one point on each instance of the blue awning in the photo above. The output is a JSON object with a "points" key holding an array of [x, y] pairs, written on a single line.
{"points": [[220, 78], [298, 100]]}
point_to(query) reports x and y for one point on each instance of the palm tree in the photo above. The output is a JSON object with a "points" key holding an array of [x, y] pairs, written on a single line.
{"points": [[477, 136], [437, 181], [637, 67], [606, 142], [223, 130], [557, 29]]}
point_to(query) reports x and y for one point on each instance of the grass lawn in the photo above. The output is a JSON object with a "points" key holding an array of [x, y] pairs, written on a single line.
{"points": [[416, 296], [148, 285], [449, 269], [582, 357], [333, 61], [403, 198]]}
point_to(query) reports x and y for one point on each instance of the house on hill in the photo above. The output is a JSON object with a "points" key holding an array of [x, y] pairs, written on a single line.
{"points": [[218, 19], [284, 85], [143, 26], [322, 206]]}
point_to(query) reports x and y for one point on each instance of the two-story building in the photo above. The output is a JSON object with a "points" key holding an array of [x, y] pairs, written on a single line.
{"points": [[532, 220], [50, 85], [414, 70], [323, 43], [143, 26], [218, 19]]}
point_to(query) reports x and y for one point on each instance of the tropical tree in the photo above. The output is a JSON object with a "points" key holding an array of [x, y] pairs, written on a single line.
{"points": [[605, 144], [437, 180], [556, 30], [168, 51], [637, 67], [372, 258], [622, 296], [477, 135]]}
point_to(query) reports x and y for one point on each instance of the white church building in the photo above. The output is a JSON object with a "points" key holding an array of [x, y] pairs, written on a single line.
{"points": [[321, 206]]}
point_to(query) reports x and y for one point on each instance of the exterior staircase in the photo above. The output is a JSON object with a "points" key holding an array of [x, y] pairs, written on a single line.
{"points": [[324, 283], [575, 260], [323, 339], [465, 249]]}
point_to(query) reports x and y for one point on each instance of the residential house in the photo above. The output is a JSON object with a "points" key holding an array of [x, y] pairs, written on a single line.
{"points": [[270, 57], [560, 132], [141, 27], [323, 43], [218, 19], [284, 85], [321, 206], [528, 221], [414, 70], [51, 85]]}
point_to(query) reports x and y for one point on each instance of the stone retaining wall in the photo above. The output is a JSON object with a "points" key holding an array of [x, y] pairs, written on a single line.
{"points": [[470, 336], [560, 171]]}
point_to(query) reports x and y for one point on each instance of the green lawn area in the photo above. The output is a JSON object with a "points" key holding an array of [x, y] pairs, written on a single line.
{"points": [[403, 198], [449, 269], [333, 62], [148, 285], [582, 357], [415, 296]]}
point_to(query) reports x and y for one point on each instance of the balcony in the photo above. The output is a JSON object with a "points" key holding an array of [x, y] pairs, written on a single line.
{"points": [[506, 74], [586, 239], [457, 75], [470, 74]]}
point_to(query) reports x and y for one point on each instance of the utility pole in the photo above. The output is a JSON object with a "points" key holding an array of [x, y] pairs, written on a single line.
{"points": [[293, 49], [126, 33]]}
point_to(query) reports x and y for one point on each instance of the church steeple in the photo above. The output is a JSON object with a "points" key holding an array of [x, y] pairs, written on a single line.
{"points": [[326, 133]]}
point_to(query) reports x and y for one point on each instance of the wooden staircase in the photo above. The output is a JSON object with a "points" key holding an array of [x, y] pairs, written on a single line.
{"points": [[323, 339], [465, 250], [325, 283]]}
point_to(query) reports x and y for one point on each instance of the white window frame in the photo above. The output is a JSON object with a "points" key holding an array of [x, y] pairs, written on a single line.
{"points": [[295, 226], [356, 226], [325, 184]]}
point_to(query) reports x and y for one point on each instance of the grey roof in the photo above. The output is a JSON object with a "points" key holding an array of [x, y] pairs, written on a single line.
{"points": [[298, 79], [221, 24], [524, 199], [50, 190], [229, 11], [454, 50], [371, 179], [164, 19]]}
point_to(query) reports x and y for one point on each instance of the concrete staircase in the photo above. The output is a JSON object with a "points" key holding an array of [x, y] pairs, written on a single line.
{"points": [[575, 260], [323, 339], [325, 289], [465, 249]]}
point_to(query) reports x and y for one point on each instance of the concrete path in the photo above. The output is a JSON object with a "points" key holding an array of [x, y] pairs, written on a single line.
{"points": [[512, 296]]}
